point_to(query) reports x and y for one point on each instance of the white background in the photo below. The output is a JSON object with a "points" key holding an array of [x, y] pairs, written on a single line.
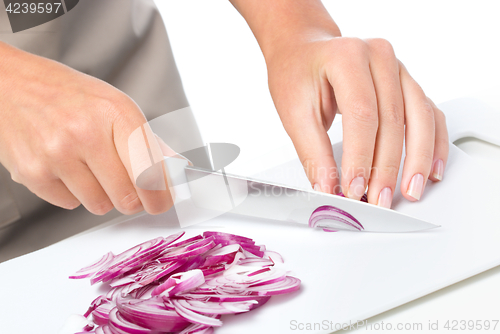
{"points": [[450, 47]]}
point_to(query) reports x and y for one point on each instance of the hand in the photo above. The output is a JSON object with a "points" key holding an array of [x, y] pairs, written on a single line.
{"points": [[64, 135], [313, 77], [314, 73]]}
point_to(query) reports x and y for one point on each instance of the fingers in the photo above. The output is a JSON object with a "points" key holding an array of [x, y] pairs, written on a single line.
{"points": [[82, 183], [109, 171], [54, 192], [377, 98], [389, 142], [142, 157], [315, 153], [42, 182], [441, 145], [306, 123], [355, 94], [420, 137]]}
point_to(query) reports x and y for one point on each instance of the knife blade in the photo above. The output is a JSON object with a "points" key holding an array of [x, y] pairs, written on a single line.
{"points": [[217, 190]]}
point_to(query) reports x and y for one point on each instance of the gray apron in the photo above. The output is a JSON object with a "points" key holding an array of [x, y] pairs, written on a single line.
{"points": [[123, 42]]}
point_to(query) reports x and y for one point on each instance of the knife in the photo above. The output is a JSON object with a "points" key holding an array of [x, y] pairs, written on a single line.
{"points": [[219, 191]]}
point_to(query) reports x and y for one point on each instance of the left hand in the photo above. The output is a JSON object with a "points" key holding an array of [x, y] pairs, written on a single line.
{"points": [[313, 79], [314, 73]]}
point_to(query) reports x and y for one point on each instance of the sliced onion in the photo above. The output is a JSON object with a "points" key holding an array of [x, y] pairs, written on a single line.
{"points": [[90, 270], [222, 255], [129, 260], [227, 236], [117, 321], [330, 217], [184, 287], [194, 317], [274, 256], [197, 329], [217, 308], [197, 248], [152, 315], [180, 283], [100, 315]]}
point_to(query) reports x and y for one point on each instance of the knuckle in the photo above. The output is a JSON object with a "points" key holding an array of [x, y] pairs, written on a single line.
{"points": [[158, 209], [387, 172], [353, 46], [157, 202], [427, 110], [89, 128], [130, 204], [363, 163], [57, 149], [442, 142], [393, 114], [116, 107], [439, 115], [357, 43], [33, 173], [356, 162], [381, 47], [314, 171], [308, 165], [82, 129], [363, 113], [101, 208], [425, 155]]}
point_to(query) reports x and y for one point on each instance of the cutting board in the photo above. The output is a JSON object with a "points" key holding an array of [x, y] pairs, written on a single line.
{"points": [[345, 276]]}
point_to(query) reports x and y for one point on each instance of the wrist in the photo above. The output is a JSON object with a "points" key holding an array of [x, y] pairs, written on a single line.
{"points": [[280, 24]]}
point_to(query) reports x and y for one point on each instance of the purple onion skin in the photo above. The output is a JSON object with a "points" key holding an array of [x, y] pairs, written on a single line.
{"points": [[313, 221], [158, 314]]}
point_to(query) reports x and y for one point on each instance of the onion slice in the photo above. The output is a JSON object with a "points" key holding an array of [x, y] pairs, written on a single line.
{"points": [[168, 286], [91, 269], [330, 218]]}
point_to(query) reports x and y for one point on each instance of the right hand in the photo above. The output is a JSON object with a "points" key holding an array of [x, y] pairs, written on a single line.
{"points": [[64, 135]]}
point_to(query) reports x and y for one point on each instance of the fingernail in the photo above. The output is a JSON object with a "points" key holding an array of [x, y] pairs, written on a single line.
{"points": [[385, 198], [416, 186], [317, 187], [438, 169], [356, 188]]}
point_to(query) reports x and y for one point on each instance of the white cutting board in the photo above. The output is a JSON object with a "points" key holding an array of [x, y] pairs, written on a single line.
{"points": [[345, 276]]}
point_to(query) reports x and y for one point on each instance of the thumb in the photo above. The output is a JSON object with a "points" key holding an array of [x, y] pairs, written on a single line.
{"points": [[142, 156], [314, 149]]}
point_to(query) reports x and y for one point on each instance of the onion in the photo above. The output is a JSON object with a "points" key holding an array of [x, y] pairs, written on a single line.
{"points": [[164, 287], [331, 218], [90, 270]]}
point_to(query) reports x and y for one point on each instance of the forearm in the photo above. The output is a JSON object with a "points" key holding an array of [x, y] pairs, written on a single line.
{"points": [[280, 21]]}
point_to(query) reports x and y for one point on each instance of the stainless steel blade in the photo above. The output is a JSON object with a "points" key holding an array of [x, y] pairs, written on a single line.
{"points": [[255, 198]]}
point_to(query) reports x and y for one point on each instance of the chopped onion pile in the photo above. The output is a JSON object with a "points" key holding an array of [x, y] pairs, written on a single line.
{"points": [[164, 286], [332, 218]]}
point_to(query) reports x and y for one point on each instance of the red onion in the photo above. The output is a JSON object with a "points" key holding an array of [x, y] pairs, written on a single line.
{"points": [[335, 217], [184, 287]]}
